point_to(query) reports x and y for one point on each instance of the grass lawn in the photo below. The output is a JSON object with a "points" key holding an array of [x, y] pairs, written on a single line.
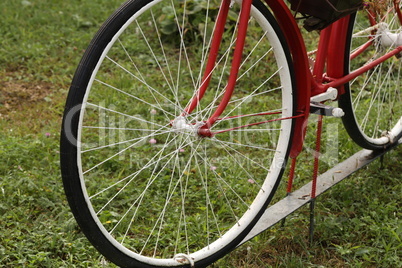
{"points": [[359, 222]]}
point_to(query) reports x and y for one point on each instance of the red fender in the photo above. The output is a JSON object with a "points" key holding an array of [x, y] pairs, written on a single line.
{"points": [[303, 76]]}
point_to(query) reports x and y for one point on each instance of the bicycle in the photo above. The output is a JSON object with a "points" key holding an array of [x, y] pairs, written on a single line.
{"points": [[173, 146]]}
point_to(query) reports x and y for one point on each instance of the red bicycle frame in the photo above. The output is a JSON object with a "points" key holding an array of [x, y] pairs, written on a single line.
{"points": [[329, 57]]}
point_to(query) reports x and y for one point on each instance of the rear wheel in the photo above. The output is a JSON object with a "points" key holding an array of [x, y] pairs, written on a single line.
{"points": [[144, 187], [373, 101]]}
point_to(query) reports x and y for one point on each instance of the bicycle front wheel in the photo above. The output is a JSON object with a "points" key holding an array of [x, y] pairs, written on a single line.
{"points": [[145, 192], [373, 101]]}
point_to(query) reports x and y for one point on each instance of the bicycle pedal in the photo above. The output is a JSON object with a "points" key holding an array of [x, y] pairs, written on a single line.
{"points": [[330, 94], [325, 110]]}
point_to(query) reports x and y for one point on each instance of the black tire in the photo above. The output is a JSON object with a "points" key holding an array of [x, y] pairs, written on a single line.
{"points": [[102, 190], [373, 102]]}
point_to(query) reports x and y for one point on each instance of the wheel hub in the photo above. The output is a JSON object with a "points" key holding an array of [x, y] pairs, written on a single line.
{"points": [[181, 125]]}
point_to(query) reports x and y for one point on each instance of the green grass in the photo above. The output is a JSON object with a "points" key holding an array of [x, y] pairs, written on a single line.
{"points": [[358, 225], [358, 222]]}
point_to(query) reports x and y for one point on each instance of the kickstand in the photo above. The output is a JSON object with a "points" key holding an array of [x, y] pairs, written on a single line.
{"points": [[312, 221], [382, 162], [315, 176]]}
